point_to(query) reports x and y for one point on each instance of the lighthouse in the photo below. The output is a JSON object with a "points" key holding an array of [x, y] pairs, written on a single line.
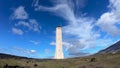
{"points": [[59, 48]]}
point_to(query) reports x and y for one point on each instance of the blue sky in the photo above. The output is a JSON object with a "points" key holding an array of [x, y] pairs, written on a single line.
{"points": [[27, 27]]}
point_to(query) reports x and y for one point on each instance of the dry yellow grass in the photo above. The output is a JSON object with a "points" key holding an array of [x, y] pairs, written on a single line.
{"points": [[101, 61]]}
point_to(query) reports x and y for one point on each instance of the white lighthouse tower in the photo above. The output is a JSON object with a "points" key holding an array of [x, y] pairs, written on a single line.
{"points": [[59, 49]]}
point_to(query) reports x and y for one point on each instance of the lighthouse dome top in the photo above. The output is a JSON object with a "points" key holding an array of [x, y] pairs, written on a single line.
{"points": [[59, 26]]}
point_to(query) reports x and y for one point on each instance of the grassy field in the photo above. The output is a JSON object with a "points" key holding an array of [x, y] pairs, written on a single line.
{"points": [[94, 61]]}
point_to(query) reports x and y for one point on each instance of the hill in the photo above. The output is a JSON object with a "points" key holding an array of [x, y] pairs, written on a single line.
{"points": [[111, 49], [6, 56], [93, 61]]}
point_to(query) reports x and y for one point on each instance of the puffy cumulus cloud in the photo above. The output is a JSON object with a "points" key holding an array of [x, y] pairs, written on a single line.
{"points": [[23, 23], [80, 28], [20, 13], [23, 20], [17, 31], [109, 20], [32, 24]]}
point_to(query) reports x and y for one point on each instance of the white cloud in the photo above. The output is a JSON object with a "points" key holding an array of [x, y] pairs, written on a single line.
{"points": [[109, 19], [81, 28], [20, 13], [34, 42], [17, 31], [23, 23], [32, 51], [25, 51], [32, 24]]}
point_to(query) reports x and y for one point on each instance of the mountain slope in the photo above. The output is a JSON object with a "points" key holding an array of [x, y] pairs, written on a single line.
{"points": [[111, 49], [100, 61], [5, 56]]}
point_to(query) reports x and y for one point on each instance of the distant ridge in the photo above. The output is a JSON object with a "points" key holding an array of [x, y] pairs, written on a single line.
{"points": [[5, 56], [111, 49], [9, 56]]}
